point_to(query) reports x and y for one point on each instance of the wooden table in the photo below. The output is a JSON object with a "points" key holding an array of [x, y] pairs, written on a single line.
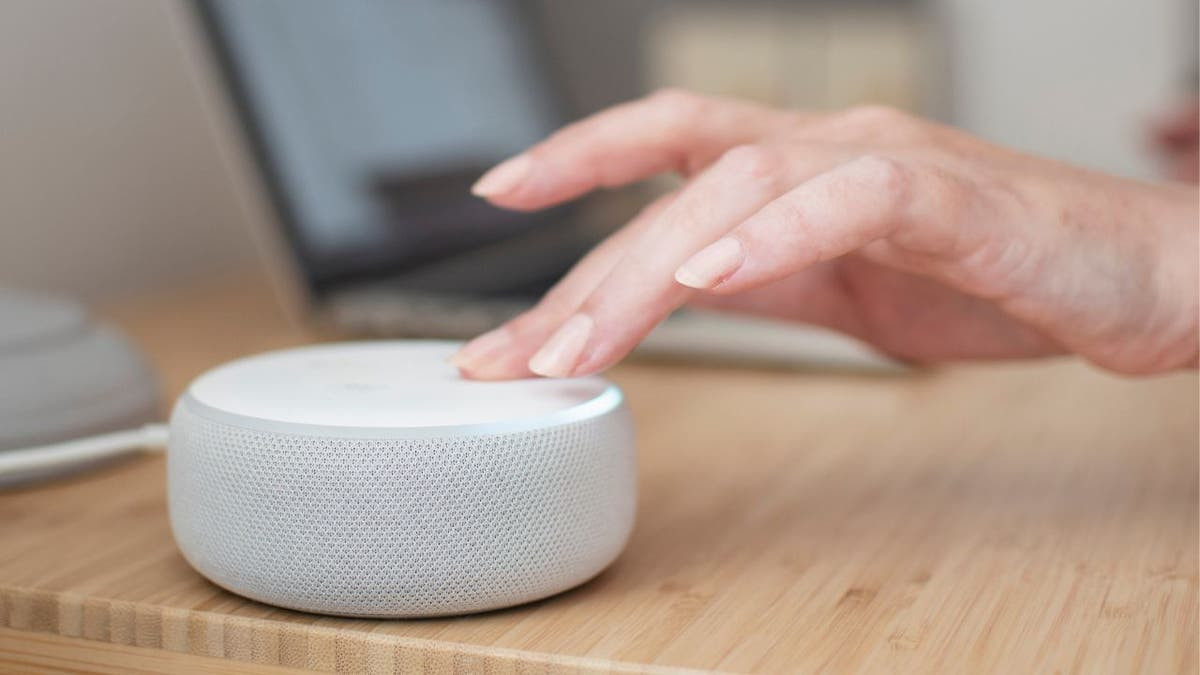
{"points": [[1009, 519]]}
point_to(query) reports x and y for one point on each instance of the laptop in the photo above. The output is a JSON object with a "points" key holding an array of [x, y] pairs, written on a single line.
{"points": [[355, 130]]}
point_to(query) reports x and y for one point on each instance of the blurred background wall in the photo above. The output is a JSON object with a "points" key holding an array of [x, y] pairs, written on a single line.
{"points": [[111, 183]]}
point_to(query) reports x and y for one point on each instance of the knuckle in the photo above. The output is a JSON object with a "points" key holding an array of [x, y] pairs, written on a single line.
{"points": [[875, 116], [672, 95], [954, 198], [677, 105], [886, 176], [756, 162], [878, 123]]}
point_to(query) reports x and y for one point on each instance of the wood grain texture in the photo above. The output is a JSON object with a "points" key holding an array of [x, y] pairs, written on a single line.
{"points": [[1008, 519], [42, 653]]}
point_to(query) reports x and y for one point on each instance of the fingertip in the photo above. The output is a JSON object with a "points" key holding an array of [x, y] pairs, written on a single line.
{"points": [[686, 277], [495, 355], [712, 264], [507, 366], [491, 342], [561, 354], [504, 178], [493, 374], [518, 201]]}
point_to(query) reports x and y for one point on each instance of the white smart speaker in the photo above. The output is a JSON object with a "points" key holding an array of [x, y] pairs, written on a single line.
{"points": [[369, 479]]}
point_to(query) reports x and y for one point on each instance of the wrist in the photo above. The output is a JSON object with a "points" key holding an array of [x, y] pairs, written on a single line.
{"points": [[1177, 281], [1149, 323]]}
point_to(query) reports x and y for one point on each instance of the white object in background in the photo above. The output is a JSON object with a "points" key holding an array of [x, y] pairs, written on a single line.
{"points": [[1073, 80], [63, 377], [69, 455], [369, 479], [716, 337]]}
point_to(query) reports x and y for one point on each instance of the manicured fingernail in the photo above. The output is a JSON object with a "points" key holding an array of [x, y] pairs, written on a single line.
{"points": [[559, 356], [481, 348], [712, 264], [503, 177]]}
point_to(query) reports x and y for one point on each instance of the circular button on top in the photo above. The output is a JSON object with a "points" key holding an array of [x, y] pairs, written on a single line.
{"points": [[385, 384]]}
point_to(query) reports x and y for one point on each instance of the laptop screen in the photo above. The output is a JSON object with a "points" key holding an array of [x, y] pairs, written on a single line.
{"points": [[371, 119]]}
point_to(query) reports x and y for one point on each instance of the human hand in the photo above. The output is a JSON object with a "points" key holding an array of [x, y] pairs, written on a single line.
{"points": [[928, 243]]}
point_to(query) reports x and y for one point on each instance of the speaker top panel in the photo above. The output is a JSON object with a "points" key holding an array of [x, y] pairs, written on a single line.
{"points": [[390, 384]]}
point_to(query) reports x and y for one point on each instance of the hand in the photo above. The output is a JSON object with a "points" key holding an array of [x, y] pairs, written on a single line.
{"points": [[919, 239]]}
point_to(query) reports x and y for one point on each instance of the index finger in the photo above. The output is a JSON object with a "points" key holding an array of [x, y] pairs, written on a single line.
{"points": [[667, 131]]}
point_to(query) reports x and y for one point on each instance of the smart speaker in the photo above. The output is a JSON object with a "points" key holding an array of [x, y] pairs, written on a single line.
{"points": [[369, 479]]}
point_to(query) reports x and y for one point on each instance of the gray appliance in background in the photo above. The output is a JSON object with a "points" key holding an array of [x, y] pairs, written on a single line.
{"points": [[366, 122], [65, 376]]}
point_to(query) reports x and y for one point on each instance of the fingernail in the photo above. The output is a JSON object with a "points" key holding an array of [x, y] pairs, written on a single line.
{"points": [[503, 177], [559, 356], [481, 348], [712, 264]]}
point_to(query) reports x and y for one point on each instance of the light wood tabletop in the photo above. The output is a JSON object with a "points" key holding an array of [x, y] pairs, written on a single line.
{"points": [[1014, 518]]}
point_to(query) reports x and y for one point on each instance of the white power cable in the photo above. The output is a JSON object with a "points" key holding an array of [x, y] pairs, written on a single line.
{"points": [[55, 455]]}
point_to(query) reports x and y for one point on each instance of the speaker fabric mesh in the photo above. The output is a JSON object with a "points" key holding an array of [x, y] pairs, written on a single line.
{"points": [[396, 527]]}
